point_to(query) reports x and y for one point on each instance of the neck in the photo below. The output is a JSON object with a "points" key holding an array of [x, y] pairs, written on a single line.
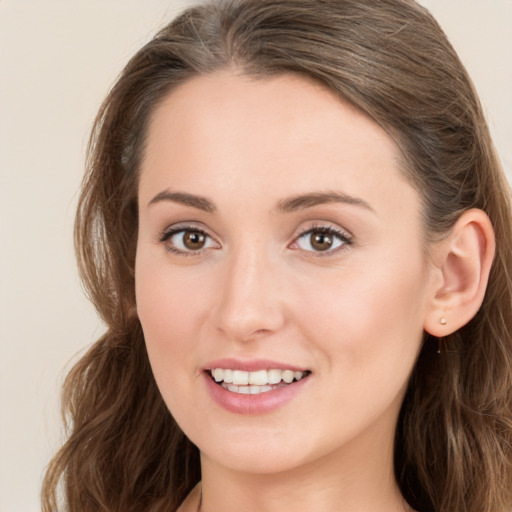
{"points": [[350, 480]]}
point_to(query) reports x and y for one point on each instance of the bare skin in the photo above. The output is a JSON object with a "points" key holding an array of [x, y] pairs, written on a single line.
{"points": [[231, 266]]}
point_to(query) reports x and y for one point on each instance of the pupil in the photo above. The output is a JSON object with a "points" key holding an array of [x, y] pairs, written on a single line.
{"points": [[194, 240], [321, 241]]}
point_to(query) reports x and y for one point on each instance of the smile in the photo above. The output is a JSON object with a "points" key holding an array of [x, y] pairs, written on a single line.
{"points": [[254, 383]]}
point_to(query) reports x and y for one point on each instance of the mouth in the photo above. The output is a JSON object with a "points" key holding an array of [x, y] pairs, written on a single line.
{"points": [[255, 382]]}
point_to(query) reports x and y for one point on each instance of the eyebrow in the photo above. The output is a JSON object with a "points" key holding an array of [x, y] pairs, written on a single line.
{"points": [[201, 203], [289, 205], [303, 201]]}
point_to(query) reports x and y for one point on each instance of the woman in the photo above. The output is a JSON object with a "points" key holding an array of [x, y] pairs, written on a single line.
{"points": [[298, 233]]}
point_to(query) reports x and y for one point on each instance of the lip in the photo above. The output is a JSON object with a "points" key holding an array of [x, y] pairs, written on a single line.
{"points": [[252, 365], [262, 403]]}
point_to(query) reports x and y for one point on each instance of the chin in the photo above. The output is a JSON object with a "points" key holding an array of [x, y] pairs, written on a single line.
{"points": [[253, 458], [265, 450]]}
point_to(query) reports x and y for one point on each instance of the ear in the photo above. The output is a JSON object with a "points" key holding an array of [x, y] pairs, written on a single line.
{"points": [[461, 267]]}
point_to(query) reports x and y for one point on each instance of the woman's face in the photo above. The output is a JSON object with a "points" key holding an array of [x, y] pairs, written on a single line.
{"points": [[277, 233]]}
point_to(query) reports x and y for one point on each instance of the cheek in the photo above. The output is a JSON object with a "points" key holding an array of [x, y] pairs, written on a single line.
{"points": [[367, 331], [170, 302], [168, 311], [171, 310], [369, 320]]}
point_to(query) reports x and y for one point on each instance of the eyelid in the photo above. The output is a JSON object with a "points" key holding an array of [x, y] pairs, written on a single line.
{"points": [[164, 236], [179, 226], [342, 234]]}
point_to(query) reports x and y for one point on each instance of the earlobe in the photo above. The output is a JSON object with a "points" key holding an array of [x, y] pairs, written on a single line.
{"points": [[462, 263]]}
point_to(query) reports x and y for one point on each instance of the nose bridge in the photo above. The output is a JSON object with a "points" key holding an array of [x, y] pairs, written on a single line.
{"points": [[248, 303]]}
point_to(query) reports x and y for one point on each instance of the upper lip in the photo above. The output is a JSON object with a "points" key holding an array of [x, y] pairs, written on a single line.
{"points": [[252, 365]]}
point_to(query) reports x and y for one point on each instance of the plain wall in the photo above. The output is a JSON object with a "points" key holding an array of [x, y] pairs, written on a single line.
{"points": [[57, 61]]}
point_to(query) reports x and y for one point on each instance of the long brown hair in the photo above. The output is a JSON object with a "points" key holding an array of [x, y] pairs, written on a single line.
{"points": [[389, 58]]}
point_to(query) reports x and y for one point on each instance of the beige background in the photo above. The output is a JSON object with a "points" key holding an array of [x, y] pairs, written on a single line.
{"points": [[57, 60]]}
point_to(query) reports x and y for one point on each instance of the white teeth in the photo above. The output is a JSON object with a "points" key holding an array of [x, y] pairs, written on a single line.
{"points": [[228, 376], [258, 379], [274, 376], [247, 390], [288, 376], [260, 389], [240, 378]]}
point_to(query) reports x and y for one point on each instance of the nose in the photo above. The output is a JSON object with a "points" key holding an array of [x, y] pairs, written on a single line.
{"points": [[249, 304]]}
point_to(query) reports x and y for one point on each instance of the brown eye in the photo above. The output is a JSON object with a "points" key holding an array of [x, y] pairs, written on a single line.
{"points": [[194, 240], [187, 241], [321, 241]]}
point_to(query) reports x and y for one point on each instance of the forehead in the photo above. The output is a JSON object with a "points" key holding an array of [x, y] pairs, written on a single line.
{"points": [[229, 102], [231, 133]]}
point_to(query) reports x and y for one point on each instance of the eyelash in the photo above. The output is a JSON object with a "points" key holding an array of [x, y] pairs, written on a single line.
{"points": [[169, 233], [342, 236]]}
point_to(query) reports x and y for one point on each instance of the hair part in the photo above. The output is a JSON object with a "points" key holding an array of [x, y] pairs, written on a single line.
{"points": [[392, 61]]}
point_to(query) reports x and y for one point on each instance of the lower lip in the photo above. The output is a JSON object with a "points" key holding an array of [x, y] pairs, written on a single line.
{"points": [[261, 403]]}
